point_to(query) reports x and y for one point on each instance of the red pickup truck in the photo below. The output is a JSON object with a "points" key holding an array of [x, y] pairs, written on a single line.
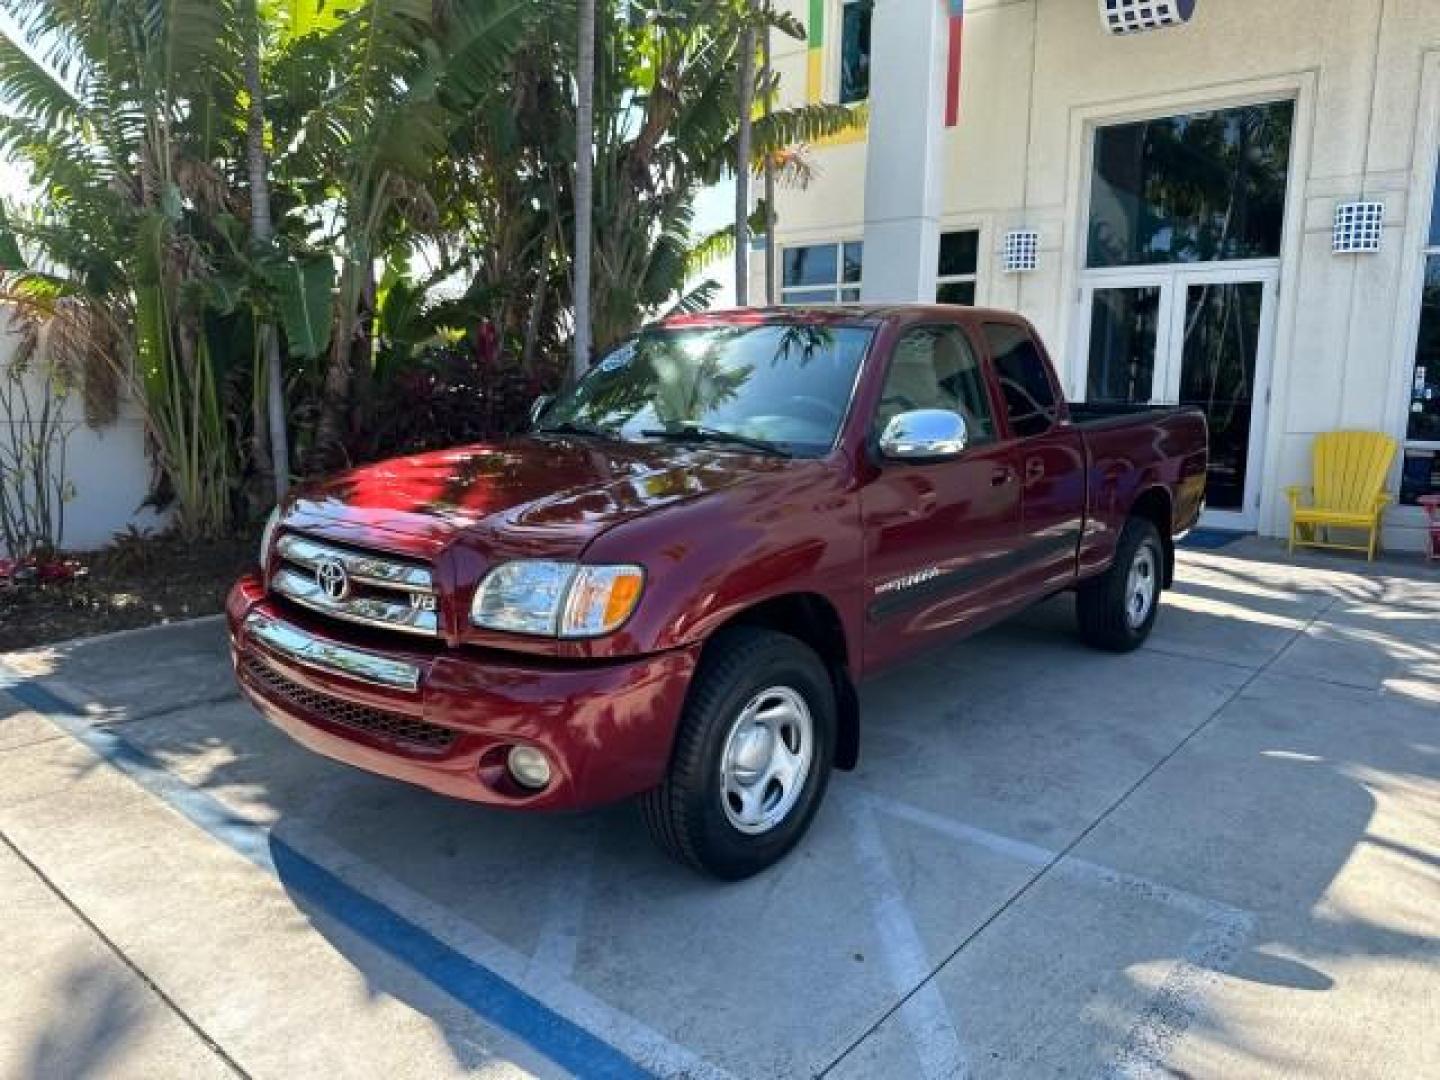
{"points": [[671, 587]]}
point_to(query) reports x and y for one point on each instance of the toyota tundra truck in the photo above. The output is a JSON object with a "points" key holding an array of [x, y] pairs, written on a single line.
{"points": [[670, 588]]}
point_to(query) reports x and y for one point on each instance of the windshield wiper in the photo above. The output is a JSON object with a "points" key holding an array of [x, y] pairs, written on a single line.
{"points": [[702, 433], [576, 427]]}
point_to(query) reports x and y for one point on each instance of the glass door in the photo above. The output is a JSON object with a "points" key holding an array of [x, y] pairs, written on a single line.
{"points": [[1219, 363], [1198, 337], [1128, 339]]}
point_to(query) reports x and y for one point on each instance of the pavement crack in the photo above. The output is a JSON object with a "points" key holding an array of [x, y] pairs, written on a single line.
{"points": [[1080, 838], [170, 1003]]}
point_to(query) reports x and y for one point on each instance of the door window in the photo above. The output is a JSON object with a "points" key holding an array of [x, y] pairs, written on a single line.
{"points": [[1124, 333], [1030, 399], [1217, 376], [934, 367]]}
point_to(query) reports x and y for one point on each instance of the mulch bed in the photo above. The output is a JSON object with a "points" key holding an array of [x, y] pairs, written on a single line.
{"points": [[133, 585]]}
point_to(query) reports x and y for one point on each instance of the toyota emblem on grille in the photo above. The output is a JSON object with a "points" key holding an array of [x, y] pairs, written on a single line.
{"points": [[332, 578]]}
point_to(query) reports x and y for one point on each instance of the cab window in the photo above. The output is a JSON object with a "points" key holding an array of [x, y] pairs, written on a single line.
{"points": [[1024, 377], [934, 367]]}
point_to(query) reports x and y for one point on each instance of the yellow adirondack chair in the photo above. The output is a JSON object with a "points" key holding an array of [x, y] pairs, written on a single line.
{"points": [[1349, 493]]}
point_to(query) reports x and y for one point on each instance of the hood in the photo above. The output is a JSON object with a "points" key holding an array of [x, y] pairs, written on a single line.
{"points": [[561, 488]]}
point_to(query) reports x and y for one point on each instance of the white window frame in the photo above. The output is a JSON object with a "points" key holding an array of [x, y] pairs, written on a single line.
{"points": [[837, 59], [1428, 251], [1425, 181], [799, 295], [962, 279]]}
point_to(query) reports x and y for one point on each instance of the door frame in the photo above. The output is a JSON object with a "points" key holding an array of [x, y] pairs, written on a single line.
{"points": [[1174, 281]]}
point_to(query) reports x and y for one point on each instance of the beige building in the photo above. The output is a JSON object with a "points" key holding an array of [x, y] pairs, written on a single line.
{"points": [[1237, 210]]}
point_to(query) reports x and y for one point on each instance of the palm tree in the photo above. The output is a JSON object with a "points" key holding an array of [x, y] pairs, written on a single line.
{"points": [[584, 178], [121, 146], [742, 158], [404, 75], [768, 106], [262, 233]]}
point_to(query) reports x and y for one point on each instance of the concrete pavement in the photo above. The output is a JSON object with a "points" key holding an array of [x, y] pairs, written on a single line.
{"points": [[1217, 856]]}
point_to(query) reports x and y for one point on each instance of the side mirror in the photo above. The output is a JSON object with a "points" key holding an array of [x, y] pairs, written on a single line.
{"points": [[925, 435], [538, 407]]}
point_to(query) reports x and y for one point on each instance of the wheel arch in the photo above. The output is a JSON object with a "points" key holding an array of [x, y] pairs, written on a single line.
{"points": [[812, 619], [1156, 505]]}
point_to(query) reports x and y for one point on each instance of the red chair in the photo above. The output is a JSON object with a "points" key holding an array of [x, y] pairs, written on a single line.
{"points": [[1431, 503]]}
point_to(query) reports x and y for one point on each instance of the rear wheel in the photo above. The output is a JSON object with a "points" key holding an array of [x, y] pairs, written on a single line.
{"points": [[1117, 610], [752, 755]]}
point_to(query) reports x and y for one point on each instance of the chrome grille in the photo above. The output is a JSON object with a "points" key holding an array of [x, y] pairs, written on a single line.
{"points": [[375, 590], [396, 727]]}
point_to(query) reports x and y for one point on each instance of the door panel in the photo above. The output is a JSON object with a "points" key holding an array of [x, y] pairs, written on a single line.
{"points": [[1052, 514], [938, 541], [1051, 460], [938, 536]]}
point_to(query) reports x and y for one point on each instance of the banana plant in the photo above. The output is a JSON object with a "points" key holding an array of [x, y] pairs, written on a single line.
{"points": [[120, 108], [399, 75]]}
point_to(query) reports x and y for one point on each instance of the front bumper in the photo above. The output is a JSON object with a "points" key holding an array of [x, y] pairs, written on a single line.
{"points": [[445, 719]]}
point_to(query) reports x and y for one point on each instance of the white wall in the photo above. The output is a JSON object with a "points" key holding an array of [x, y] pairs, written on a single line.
{"points": [[1040, 74], [108, 468]]}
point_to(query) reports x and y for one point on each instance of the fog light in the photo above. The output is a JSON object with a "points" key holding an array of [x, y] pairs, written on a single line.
{"points": [[529, 767]]}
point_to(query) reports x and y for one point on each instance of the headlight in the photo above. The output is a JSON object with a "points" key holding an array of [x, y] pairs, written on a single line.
{"points": [[556, 599], [268, 535]]}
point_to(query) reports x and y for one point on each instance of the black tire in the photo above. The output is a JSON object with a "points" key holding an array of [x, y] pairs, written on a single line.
{"points": [[1106, 605], [685, 814]]}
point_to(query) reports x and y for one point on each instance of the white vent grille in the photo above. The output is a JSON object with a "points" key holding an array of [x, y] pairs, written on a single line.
{"points": [[1359, 227], [1135, 16], [1021, 252]]}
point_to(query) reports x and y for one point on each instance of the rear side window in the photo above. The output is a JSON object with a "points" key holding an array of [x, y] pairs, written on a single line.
{"points": [[1024, 380], [934, 367]]}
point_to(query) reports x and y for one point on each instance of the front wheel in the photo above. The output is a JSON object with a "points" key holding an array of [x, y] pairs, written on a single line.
{"points": [[1117, 610], [752, 755]]}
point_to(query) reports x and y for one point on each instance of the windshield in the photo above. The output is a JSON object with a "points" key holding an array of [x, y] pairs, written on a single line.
{"points": [[785, 385]]}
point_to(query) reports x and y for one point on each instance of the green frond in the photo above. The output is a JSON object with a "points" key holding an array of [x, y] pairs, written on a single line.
{"points": [[711, 249], [480, 37], [27, 86], [697, 299]]}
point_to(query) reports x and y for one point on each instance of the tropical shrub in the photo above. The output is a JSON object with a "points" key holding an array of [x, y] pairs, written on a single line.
{"points": [[271, 221]]}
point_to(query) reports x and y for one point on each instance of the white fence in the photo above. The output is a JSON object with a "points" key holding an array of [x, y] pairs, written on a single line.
{"points": [[107, 467]]}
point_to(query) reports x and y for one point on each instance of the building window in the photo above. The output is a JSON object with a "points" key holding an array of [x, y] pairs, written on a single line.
{"points": [[959, 262], [1420, 473], [1205, 187], [822, 273], [855, 50]]}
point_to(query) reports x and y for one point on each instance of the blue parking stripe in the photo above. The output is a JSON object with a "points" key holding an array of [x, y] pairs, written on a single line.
{"points": [[488, 994]]}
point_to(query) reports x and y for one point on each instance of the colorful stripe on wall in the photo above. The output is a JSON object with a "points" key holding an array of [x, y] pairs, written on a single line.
{"points": [[952, 70], [815, 58]]}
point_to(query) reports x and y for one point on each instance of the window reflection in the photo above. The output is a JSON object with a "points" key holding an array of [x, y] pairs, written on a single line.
{"points": [[784, 384], [1217, 376], [1124, 324], [1199, 188]]}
